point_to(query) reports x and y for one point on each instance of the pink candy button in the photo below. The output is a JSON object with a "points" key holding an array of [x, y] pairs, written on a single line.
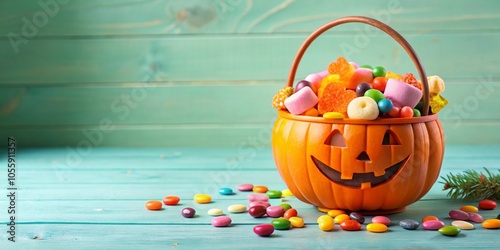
{"points": [[245, 187]]}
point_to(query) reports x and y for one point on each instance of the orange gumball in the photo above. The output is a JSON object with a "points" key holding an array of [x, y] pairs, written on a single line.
{"points": [[406, 112]]}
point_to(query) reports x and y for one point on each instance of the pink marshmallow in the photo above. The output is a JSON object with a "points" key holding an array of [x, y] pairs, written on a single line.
{"points": [[323, 73], [402, 94], [314, 78], [301, 101]]}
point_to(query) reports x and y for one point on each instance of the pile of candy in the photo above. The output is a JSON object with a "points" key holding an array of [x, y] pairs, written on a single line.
{"points": [[285, 217], [359, 92]]}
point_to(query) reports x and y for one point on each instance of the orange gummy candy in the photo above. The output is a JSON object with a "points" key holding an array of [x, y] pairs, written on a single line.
{"points": [[329, 79], [335, 98], [342, 68], [410, 79]]}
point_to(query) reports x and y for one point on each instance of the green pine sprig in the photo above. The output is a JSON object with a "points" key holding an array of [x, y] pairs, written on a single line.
{"points": [[471, 185]]}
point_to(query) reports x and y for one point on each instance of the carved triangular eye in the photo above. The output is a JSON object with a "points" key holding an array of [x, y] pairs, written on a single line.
{"points": [[390, 138], [336, 139]]}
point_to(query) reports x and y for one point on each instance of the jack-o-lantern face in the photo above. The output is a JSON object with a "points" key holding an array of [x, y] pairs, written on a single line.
{"points": [[358, 165], [382, 170]]}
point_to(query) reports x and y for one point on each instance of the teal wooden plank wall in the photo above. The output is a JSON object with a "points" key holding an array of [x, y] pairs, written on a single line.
{"points": [[202, 73]]}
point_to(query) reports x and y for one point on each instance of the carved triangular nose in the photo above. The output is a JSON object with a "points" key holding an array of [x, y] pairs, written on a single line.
{"points": [[363, 156]]}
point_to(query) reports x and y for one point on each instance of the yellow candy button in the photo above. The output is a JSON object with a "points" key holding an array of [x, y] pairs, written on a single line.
{"points": [[286, 192], [333, 115], [202, 198]]}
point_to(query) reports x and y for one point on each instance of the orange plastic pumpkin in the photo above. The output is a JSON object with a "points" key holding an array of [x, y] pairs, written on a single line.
{"points": [[381, 165]]}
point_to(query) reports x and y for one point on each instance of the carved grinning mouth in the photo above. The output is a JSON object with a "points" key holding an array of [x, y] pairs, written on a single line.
{"points": [[359, 180]]}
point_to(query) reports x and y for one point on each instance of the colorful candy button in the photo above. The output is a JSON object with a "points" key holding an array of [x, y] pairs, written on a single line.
{"points": [[188, 212], [491, 224], [350, 225], [257, 211], [292, 212], [334, 212], [475, 217], [274, 194], [464, 225], [281, 224], [286, 193], [245, 187], [237, 208], [263, 230], [429, 217], [171, 200], [259, 203], [275, 211], [487, 204], [225, 191], [257, 197], [409, 224], [458, 215], [469, 208], [296, 222], [432, 224], [382, 220], [341, 218], [260, 189], [449, 230], [221, 221], [285, 206], [357, 216], [376, 227], [153, 205], [325, 223], [215, 212], [202, 198]]}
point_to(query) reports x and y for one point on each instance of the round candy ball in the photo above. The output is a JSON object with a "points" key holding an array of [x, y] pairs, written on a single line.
{"points": [[363, 108], [375, 95], [378, 71], [416, 113], [379, 83], [366, 66], [406, 112], [362, 88], [385, 105], [301, 84]]}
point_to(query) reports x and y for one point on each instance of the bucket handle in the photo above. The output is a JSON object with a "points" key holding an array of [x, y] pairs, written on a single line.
{"points": [[377, 24]]}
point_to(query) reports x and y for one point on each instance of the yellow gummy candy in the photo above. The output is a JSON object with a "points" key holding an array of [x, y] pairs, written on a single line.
{"points": [[437, 103]]}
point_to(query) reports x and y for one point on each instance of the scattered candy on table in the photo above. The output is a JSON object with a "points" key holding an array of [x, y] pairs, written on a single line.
{"points": [[221, 221], [292, 212], [188, 212], [274, 194], [475, 217], [376, 227], [244, 187], [281, 224], [458, 215], [487, 204], [296, 222], [409, 224], [350, 225], [257, 211], [171, 200], [237, 208], [464, 225], [153, 205], [202, 198], [449, 230], [215, 212], [432, 224], [336, 89], [341, 218], [263, 230], [491, 224], [382, 220], [260, 189], [357, 217], [275, 211], [325, 223], [225, 191]]}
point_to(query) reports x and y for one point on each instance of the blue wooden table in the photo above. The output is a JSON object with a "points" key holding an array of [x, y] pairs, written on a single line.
{"points": [[95, 199]]}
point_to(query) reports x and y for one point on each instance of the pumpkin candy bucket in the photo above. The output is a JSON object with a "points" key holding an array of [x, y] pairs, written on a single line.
{"points": [[377, 166]]}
